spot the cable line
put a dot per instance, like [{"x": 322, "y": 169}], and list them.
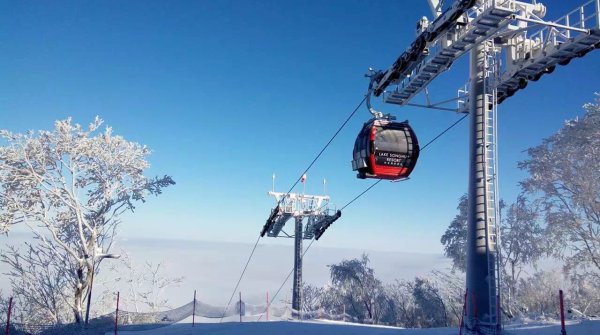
[
  {"x": 240, "y": 279},
  {"x": 326, "y": 145},
  {"x": 445, "y": 131},
  {"x": 361, "y": 194}
]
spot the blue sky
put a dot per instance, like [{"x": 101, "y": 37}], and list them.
[{"x": 226, "y": 93}]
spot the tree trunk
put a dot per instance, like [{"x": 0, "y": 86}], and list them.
[
  {"x": 81, "y": 288},
  {"x": 511, "y": 290},
  {"x": 445, "y": 312},
  {"x": 77, "y": 310},
  {"x": 509, "y": 311},
  {"x": 368, "y": 307}
]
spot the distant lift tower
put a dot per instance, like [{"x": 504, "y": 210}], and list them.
[
  {"x": 510, "y": 45},
  {"x": 315, "y": 209}
]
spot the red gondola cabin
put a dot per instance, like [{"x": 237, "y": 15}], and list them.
[{"x": 385, "y": 149}]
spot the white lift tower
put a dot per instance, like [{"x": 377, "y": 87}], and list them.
[
  {"x": 315, "y": 209},
  {"x": 510, "y": 44}
]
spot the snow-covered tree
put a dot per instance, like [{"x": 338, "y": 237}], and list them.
[
  {"x": 455, "y": 236},
  {"x": 385, "y": 310},
  {"x": 430, "y": 307},
  {"x": 419, "y": 303},
  {"x": 39, "y": 282},
  {"x": 69, "y": 186},
  {"x": 311, "y": 297},
  {"x": 522, "y": 244},
  {"x": 357, "y": 284},
  {"x": 3, "y": 308},
  {"x": 402, "y": 303},
  {"x": 451, "y": 287},
  {"x": 583, "y": 295},
  {"x": 145, "y": 284},
  {"x": 538, "y": 294},
  {"x": 564, "y": 174}
]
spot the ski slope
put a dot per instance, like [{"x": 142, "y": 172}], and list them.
[{"x": 320, "y": 327}]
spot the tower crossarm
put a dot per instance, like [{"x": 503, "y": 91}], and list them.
[
  {"x": 531, "y": 46},
  {"x": 538, "y": 46},
  {"x": 417, "y": 51},
  {"x": 298, "y": 206},
  {"x": 480, "y": 23}
]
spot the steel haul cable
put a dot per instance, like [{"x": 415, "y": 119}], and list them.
[
  {"x": 240, "y": 279},
  {"x": 444, "y": 131},
  {"x": 329, "y": 142}
]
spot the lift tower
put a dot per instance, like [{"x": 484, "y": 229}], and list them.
[
  {"x": 312, "y": 216},
  {"x": 510, "y": 44}
]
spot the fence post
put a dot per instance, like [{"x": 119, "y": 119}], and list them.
[
  {"x": 563, "y": 330},
  {"x": 194, "y": 311},
  {"x": 267, "y": 305},
  {"x": 240, "y": 306},
  {"x": 117, "y": 315},
  {"x": 10, "y": 301}
]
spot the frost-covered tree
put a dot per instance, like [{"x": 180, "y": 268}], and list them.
[
  {"x": 3, "y": 308},
  {"x": 356, "y": 283},
  {"x": 538, "y": 294},
  {"x": 39, "y": 282},
  {"x": 430, "y": 307},
  {"x": 564, "y": 175},
  {"x": 385, "y": 311},
  {"x": 583, "y": 294},
  {"x": 417, "y": 304},
  {"x": 522, "y": 244},
  {"x": 311, "y": 297},
  {"x": 455, "y": 236},
  {"x": 145, "y": 284},
  {"x": 69, "y": 186},
  {"x": 331, "y": 302},
  {"x": 451, "y": 287},
  {"x": 403, "y": 304}
]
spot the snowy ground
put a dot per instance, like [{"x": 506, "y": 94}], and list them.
[{"x": 585, "y": 327}]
